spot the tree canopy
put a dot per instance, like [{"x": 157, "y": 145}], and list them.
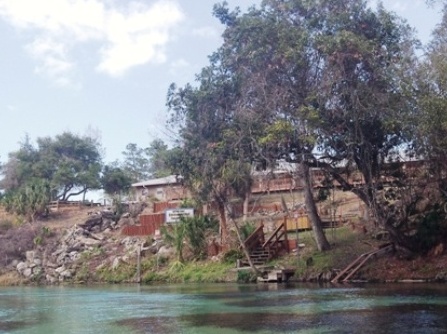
[
  {"x": 327, "y": 84},
  {"x": 70, "y": 163}
]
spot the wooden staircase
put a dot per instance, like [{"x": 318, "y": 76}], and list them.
[
  {"x": 260, "y": 256},
  {"x": 261, "y": 250},
  {"x": 346, "y": 274}
]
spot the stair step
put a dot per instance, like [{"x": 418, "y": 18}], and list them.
[{"x": 260, "y": 253}]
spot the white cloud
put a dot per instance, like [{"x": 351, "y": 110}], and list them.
[
  {"x": 138, "y": 36},
  {"x": 126, "y": 35},
  {"x": 53, "y": 60}
]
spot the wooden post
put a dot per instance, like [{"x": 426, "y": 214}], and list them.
[{"x": 139, "y": 264}]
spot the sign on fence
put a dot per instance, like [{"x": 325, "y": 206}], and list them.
[{"x": 174, "y": 215}]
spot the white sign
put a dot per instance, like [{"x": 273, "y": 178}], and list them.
[{"x": 174, "y": 215}]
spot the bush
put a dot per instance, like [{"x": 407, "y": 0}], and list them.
[
  {"x": 191, "y": 230},
  {"x": 247, "y": 229},
  {"x": 246, "y": 276},
  {"x": 232, "y": 256},
  {"x": 430, "y": 231}
]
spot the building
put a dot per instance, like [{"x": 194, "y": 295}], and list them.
[{"x": 166, "y": 189}]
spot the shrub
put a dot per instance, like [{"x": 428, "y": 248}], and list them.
[
  {"x": 232, "y": 256},
  {"x": 247, "y": 229},
  {"x": 246, "y": 276},
  {"x": 430, "y": 231}
]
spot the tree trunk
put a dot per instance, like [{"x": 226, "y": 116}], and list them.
[
  {"x": 223, "y": 223},
  {"x": 244, "y": 249},
  {"x": 312, "y": 211},
  {"x": 245, "y": 207}
]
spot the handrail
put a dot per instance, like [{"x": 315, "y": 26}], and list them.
[
  {"x": 255, "y": 238},
  {"x": 273, "y": 242},
  {"x": 269, "y": 240},
  {"x": 354, "y": 266}
]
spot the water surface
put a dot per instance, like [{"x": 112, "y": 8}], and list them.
[{"x": 225, "y": 308}]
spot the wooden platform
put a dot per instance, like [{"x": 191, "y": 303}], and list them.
[{"x": 277, "y": 276}]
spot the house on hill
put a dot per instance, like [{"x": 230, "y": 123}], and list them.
[{"x": 166, "y": 189}]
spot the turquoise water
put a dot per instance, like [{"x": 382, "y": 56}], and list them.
[{"x": 225, "y": 308}]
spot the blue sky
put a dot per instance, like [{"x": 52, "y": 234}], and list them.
[{"x": 103, "y": 67}]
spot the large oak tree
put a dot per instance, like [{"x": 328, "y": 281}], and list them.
[{"x": 69, "y": 162}]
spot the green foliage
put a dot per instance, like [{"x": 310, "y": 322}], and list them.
[
  {"x": 70, "y": 163},
  {"x": 192, "y": 272},
  {"x": 136, "y": 162},
  {"x": 246, "y": 276},
  {"x": 124, "y": 273},
  {"x": 189, "y": 231},
  {"x": 210, "y": 223},
  {"x": 294, "y": 79},
  {"x": 279, "y": 131},
  {"x": 37, "y": 240},
  {"x": 83, "y": 274},
  {"x": 431, "y": 230},
  {"x": 115, "y": 180},
  {"x": 174, "y": 234},
  {"x": 150, "y": 162},
  {"x": 175, "y": 267},
  {"x": 247, "y": 229},
  {"x": 232, "y": 256},
  {"x": 159, "y": 155},
  {"x": 29, "y": 201},
  {"x": 188, "y": 203},
  {"x": 44, "y": 233},
  {"x": 195, "y": 235}
]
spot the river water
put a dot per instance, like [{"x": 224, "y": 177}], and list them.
[{"x": 225, "y": 308}]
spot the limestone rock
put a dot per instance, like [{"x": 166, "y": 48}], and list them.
[
  {"x": 30, "y": 256},
  {"x": 115, "y": 263},
  {"x": 21, "y": 266},
  {"x": 65, "y": 274},
  {"x": 166, "y": 252},
  {"x": 27, "y": 272}
]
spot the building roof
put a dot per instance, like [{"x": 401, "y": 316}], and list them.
[{"x": 162, "y": 181}]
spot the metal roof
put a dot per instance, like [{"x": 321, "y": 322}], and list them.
[{"x": 171, "y": 179}]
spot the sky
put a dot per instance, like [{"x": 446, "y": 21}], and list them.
[{"x": 103, "y": 67}]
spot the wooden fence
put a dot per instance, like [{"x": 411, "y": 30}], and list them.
[
  {"x": 148, "y": 225},
  {"x": 56, "y": 205},
  {"x": 283, "y": 184},
  {"x": 162, "y": 206}
]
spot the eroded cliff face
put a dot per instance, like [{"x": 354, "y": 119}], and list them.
[{"x": 72, "y": 249}]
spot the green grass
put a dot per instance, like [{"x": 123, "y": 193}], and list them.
[
  {"x": 192, "y": 272},
  {"x": 125, "y": 273},
  {"x": 346, "y": 245}
]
